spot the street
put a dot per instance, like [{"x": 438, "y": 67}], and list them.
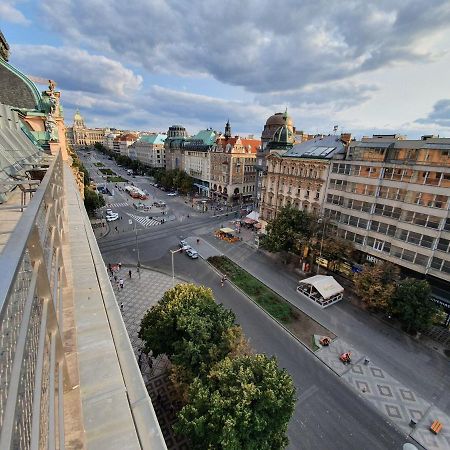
[{"x": 329, "y": 414}]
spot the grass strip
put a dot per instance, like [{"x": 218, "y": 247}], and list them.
[
  {"x": 115, "y": 179},
  {"x": 271, "y": 302},
  {"x": 99, "y": 164},
  {"x": 107, "y": 172}
]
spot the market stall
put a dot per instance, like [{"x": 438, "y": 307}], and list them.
[{"x": 321, "y": 289}]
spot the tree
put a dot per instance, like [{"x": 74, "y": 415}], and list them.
[
  {"x": 376, "y": 284},
  {"x": 189, "y": 327},
  {"x": 334, "y": 249},
  {"x": 244, "y": 403},
  {"x": 289, "y": 226},
  {"x": 412, "y": 304},
  {"x": 92, "y": 201}
]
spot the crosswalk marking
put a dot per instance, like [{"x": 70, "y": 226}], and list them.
[
  {"x": 116, "y": 205},
  {"x": 144, "y": 221}
]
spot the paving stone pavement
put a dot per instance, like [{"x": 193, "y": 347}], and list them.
[
  {"x": 330, "y": 356},
  {"x": 397, "y": 402},
  {"x": 138, "y": 295}
]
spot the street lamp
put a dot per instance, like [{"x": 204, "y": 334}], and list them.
[
  {"x": 137, "y": 245},
  {"x": 173, "y": 269},
  {"x": 321, "y": 243}
]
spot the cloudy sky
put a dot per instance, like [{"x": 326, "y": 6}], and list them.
[{"x": 368, "y": 66}]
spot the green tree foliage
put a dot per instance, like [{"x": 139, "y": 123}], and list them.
[
  {"x": 188, "y": 326},
  {"x": 376, "y": 285},
  {"x": 92, "y": 200},
  {"x": 288, "y": 228},
  {"x": 244, "y": 403},
  {"x": 411, "y": 303},
  {"x": 174, "y": 179},
  {"x": 334, "y": 249}
]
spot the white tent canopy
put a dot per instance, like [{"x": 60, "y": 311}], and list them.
[
  {"x": 322, "y": 289},
  {"x": 254, "y": 215}
]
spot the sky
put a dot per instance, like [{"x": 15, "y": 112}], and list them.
[{"x": 367, "y": 66}]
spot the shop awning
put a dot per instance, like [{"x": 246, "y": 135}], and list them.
[
  {"x": 227, "y": 230},
  {"x": 254, "y": 215},
  {"x": 325, "y": 285}
]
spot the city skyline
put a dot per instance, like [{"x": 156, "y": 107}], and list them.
[{"x": 370, "y": 67}]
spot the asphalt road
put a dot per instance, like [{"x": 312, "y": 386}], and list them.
[{"x": 328, "y": 414}]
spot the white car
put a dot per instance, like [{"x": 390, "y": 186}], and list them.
[
  {"x": 172, "y": 194},
  {"x": 112, "y": 217},
  {"x": 192, "y": 253},
  {"x": 109, "y": 212}
]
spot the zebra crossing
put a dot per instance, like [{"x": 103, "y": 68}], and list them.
[
  {"x": 144, "y": 221},
  {"x": 116, "y": 205}
]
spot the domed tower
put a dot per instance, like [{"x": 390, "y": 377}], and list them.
[
  {"x": 282, "y": 124},
  {"x": 78, "y": 121},
  {"x": 282, "y": 140},
  {"x": 272, "y": 125}
]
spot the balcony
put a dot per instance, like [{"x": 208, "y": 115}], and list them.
[{"x": 67, "y": 370}]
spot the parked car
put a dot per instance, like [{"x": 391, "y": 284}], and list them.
[
  {"x": 109, "y": 212},
  {"x": 183, "y": 243},
  {"x": 192, "y": 253},
  {"x": 172, "y": 194}
]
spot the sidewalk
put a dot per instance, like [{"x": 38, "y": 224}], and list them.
[
  {"x": 404, "y": 380},
  {"x": 139, "y": 293}
]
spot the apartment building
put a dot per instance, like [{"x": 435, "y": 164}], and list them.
[
  {"x": 149, "y": 150},
  {"x": 197, "y": 160},
  {"x": 390, "y": 196},
  {"x": 298, "y": 177},
  {"x": 233, "y": 173}
]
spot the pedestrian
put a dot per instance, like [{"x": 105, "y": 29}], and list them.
[
  {"x": 120, "y": 265},
  {"x": 129, "y": 273},
  {"x": 121, "y": 306},
  {"x": 115, "y": 278},
  {"x": 121, "y": 283}
]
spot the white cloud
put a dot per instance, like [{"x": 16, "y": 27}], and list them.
[
  {"x": 259, "y": 45},
  {"x": 9, "y": 13},
  {"x": 75, "y": 69}
]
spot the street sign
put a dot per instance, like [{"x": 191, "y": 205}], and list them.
[{"x": 130, "y": 221}]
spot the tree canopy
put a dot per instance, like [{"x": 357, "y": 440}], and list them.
[
  {"x": 244, "y": 403},
  {"x": 92, "y": 200},
  {"x": 287, "y": 228},
  {"x": 376, "y": 284},
  {"x": 188, "y": 326},
  {"x": 411, "y": 303}
]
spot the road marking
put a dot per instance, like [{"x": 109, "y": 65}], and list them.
[
  {"x": 116, "y": 205},
  {"x": 308, "y": 393},
  {"x": 144, "y": 221}
]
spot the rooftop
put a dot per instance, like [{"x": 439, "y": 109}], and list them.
[{"x": 320, "y": 147}]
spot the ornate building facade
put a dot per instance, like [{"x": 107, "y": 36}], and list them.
[
  {"x": 298, "y": 176},
  {"x": 272, "y": 125},
  {"x": 233, "y": 171},
  {"x": 78, "y": 135}
]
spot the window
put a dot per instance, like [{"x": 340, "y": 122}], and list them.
[{"x": 443, "y": 245}]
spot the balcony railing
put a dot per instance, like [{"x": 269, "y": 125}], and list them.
[{"x": 33, "y": 373}]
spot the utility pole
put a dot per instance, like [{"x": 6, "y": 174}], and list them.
[
  {"x": 173, "y": 268},
  {"x": 321, "y": 242}
]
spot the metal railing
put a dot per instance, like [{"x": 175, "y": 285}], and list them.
[{"x": 33, "y": 372}]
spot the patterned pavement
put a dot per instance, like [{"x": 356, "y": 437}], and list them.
[
  {"x": 140, "y": 292},
  {"x": 394, "y": 400},
  {"x": 330, "y": 356}
]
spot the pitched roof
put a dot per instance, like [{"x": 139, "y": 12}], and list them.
[{"x": 153, "y": 138}]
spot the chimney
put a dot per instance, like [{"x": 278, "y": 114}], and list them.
[{"x": 346, "y": 138}]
